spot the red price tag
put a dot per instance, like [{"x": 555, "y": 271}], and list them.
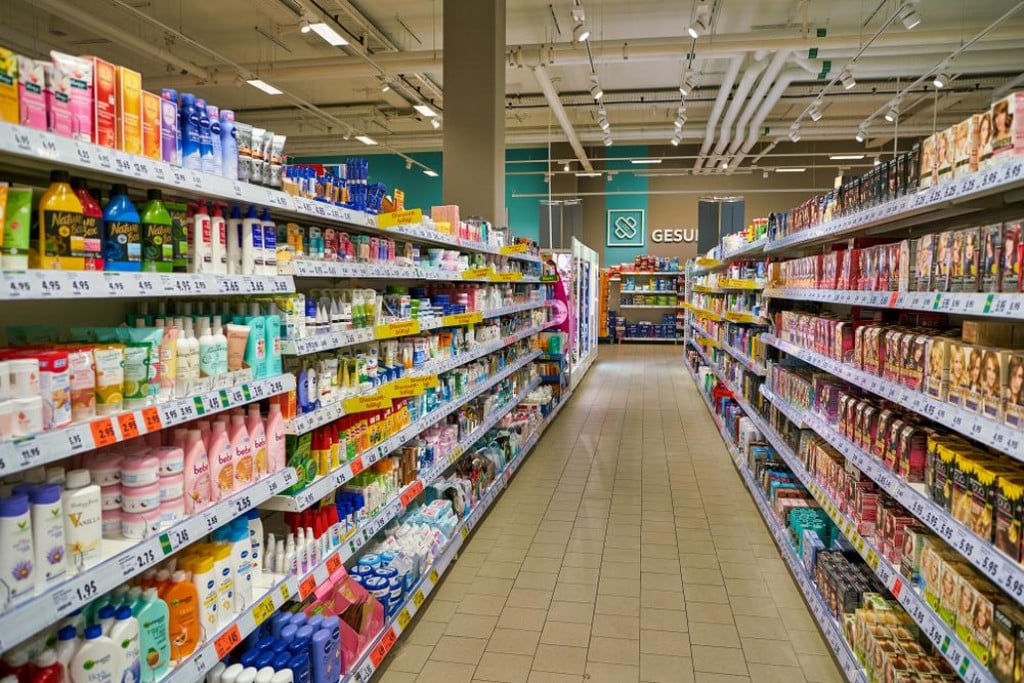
[
  {"x": 383, "y": 647},
  {"x": 307, "y": 586},
  {"x": 333, "y": 563},
  {"x": 893, "y": 298},
  {"x": 103, "y": 433},
  {"x": 413, "y": 491},
  {"x": 227, "y": 641},
  {"x": 357, "y": 466},
  {"x": 129, "y": 428},
  {"x": 897, "y": 587},
  {"x": 151, "y": 418}
]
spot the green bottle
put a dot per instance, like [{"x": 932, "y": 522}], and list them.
[{"x": 157, "y": 242}]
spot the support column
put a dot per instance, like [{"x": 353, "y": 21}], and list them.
[{"x": 474, "y": 107}]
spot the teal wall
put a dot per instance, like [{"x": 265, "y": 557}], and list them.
[
  {"x": 422, "y": 191},
  {"x": 625, "y": 182}
]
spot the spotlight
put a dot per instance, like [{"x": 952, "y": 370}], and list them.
[
  {"x": 304, "y": 26},
  {"x": 847, "y": 79},
  {"x": 876, "y": 162},
  {"x": 680, "y": 120},
  {"x": 675, "y": 140},
  {"x": 385, "y": 86},
  {"x": 725, "y": 165},
  {"x": 607, "y": 142},
  {"x": 565, "y": 168},
  {"x": 408, "y": 165},
  {"x": 861, "y": 135},
  {"x": 693, "y": 32},
  {"x": 815, "y": 113},
  {"x": 595, "y": 89},
  {"x": 698, "y": 27},
  {"x": 794, "y": 133},
  {"x": 941, "y": 80},
  {"x": 603, "y": 123},
  {"x": 580, "y": 33},
  {"x": 436, "y": 123},
  {"x": 892, "y": 114},
  {"x": 689, "y": 83},
  {"x": 909, "y": 16}
]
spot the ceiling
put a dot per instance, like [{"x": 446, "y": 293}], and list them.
[{"x": 758, "y": 68}]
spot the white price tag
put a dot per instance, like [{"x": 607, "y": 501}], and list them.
[
  {"x": 18, "y": 285},
  {"x": 48, "y": 284}
]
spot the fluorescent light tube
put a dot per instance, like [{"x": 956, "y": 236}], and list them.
[
  {"x": 430, "y": 172},
  {"x": 264, "y": 86},
  {"x": 584, "y": 174},
  {"x": 330, "y": 36},
  {"x": 645, "y": 161},
  {"x": 366, "y": 140},
  {"x": 790, "y": 169},
  {"x": 424, "y": 110},
  {"x": 846, "y": 157}
]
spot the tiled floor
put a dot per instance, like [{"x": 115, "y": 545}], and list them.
[{"x": 626, "y": 549}]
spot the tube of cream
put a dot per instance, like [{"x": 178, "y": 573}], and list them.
[
  {"x": 238, "y": 337},
  {"x": 276, "y": 159}
]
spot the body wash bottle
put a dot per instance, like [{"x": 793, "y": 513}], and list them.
[
  {"x": 256, "y": 347},
  {"x": 125, "y": 634},
  {"x": 48, "y": 533},
  {"x": 18, "y": 559},
  {"x": 154, "y": 638},
  {"x": 98, "y": 659},
  {"x": 197, "y": 473},
  {"x": 83, "y": 520}
]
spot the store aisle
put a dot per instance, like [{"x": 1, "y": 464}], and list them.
[{"x": 626, "y": 549}]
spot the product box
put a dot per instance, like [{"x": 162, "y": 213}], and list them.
[
  {"x": 963, "y": 134},
  {"x": 990, "y": 260},
  {"x": 1009, "y": 515},
  {"x": 944, "y": 155},
  {"x": 942, "y": 262},
  {"x": 58, "y": 101},
  {"x": 169, "y": 130},
  {"x": 983, "y": 133},
  {"x": 956, "y": 261},
  {"x": 151, "y": 125},
  {"x": 970, "y": 270},
  {"x": 32, "y": 93},
  {"x": 988, "y": 332},
  {"x": 1007, "y": 621},
  {"x": 104, "y": 92},
  {"x": 913, "y": 168},
  {"x": 910, "y": 559},
  {"x": 1013, "y": 388},
  {"x": 924, "y": 255},
  {"x": 927, "y": 177},
  {"x": 1011, "y": 256},
  {"x": 129, "y": 110},
  {"x": 1007, "y": 127},
  {"x": 971, "y": 387},
  {"x": 75, "y": 75},
  {"x": 8, "y": 86},
  {"x": 959, "y": 381}
]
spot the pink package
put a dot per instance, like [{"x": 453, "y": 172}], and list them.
[
  {"x": 31, "y": 86},
  {"x": 340, "y": 593},
  {"x": 76, "y": 74},
  {"x": 58, "y": 101}
]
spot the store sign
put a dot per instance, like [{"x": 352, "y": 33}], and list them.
[
  {"x": 626, "y": 228},
  {"x": 666, "y": 235}
]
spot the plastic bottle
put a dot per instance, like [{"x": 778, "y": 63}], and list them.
[
  {"x": 217, "y": 159},
  {"x": 105, "y": 618},
  {"x": 242, "y": 562},
  {"x": 273, "y": 332},
  {"x": 183, "y": 350},
  {"x": 125, "y": 634},
  {"x": 64, "y": 648},
  {"x": 193, "y": 350},
  {"x": 283, "y": 676},
  {"x": 225, "y": 572},
  {"x": 220, "y": 344},
  {"x": 205, "y": 141},
  {"x": 183, "y": 616},
  {"x": 122, "y": 240},
  {"x": 248, "y": 675},
  {"x": 198, "y": 487},
  {"x": 215, "y": 674},
  {"x": 92, "y": 225},
  {"x": 269, "y": 243},
  {"x": 154, "y": 635},
  {"x": 222, "y": 473},
  {"x": 254, "y": 525},
  {"x": 202, "y": 240},
  {"x": 83, "y": 519},
  {"x": 190, "y": 151},
  {"x": 60, "y": 227},
  {"x": 209, "y": 364},
  {"x": 98, "y": 660},
  {"x": 218, "y": 241},
  {"x": 241, "y": 446},
  {"x": 48, "y": 668},
  {"x": 265, "y": 675},
  {"x": 205, "y": 581},
  {"x": 48, "y": 534},
  {"x": 258, "y": 436},
  {"x": 231, "y": 673},
  {"x": 256, "y": 345},
  {"x": 157, "y": 240},
  {"x": 228, "y": 145},
  {"x": 275, "y": 439},
  {"x": 234, "y": 241},
  {"x": 18, "y": 560},
  {"x": 252, "y": 243}
]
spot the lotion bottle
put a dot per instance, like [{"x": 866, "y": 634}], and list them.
[
  {"x": 18, "y": 560},
  {"x": 208, "y": 354},
  {"x": 252, "y": 243},
  {"x": 197, "y": 473},
  {"x": 97, "y": 660},
  {"x": 125, "y": 634},
  {"x": 258, "y": 436},
  {"x": 48, "y": 533},
  {"x": 222, "y": 473},
  {"x": 154, "y": 638},
  {"x": 241, "y": 446},
  {"x": 234, "y": 242},
  {"x": 275, "y": 439},
  {"x": 202, "y": 240},
  {"x": 269, "y": 243},
  {"x": 83, "y": 521}
]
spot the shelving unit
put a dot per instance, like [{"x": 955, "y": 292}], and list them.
[{"x": 640, "y": 291}]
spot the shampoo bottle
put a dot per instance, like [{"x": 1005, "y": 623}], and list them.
[
  {"x": 18, "y": 560},
  {"x": 205, "y": 142},
  {"x": 216, "y": 160},
  {"x": 98, "y": 660},
  {"x": 208, "y": 353},
  {"x": 60, "y": 227},
  {"x": 92, "y": 225},
  {"x": 48, "y": 669},
  {"x": 256, "y": 346},
  {"x": 122, "y": 240},
  {"x": 154, "y": 639},
  {"x": 83, "y": 521},
  {"x": 157, "y": 241},
  {"x": 125, "y": 634},
  {"x": 221, "y": 458},
  {"x": 202, "y": 240},
  {"x": 219, "y": 240},
  {"x": 189, "y": 130},
  {"x": 241, "y": 446},
  {"x": 273, "y": 331},
  {"x": 67, "y": 643},
  {"x": 183, "y": 616},
  {"x": 220, "y": 344},
  {"x": 48, "y": 533}
]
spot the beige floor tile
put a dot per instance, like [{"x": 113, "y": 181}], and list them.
[
  {"x": 705, "y": 677},
  {"x": 755, "y": 607},
  {"x": 488, "y": 605},
  {"x": 523, "y": 618},
  {"x": 741, "y": 570},
  {"x": 604, "y": 672},
  {"x": 699, "y": 592},
  {"x": 718, "y": 660},
  {"x": 659, "y": 551},
  {"x": 665, "y": 669},
  {"x": 621, "y": 570},
  {"x": 501, "y": 570},
  {"x": 718, "y": 635},
  {"x": 758, "y": 627},
  {"x": 513, "y": 641},
  {"x": 547, "y": 565},
  {"x": 614, "y": 650},
  {"x": 797, "y": 619},
  {"x": 551, "y": 550},
  {"x": 529, "y": 597},
  {"x": 565, "y": 633},
  {"x": 661, "y": 582},
  {"x": 620, "y": 554},
  {"x": 489, "y": 585},
  {"x": 441, "y": 610},
  {"x": 661, "y": 599},
  {"x": 617, "y": 605},
  {"x": 587, "y": 575},
  {"x": 426, "y": 633},
  {"x": 657, "y": 619},
  {"x": 536, "y": 581},
  {"x": 659, "y": 566},
  {"x": 807, "y": 642},
  {"x": 771, "y": 673},
  {"x": 590, "y": 560},
  {"x": 495, "y": 666},
  {"x": 698, "y": 561},
  {"x": 763, "y": 651},
  {"x": 575, "y": 592},
  {"x": 747, "y": 588},
  {"x": 819, "y": 669},
  {"x": 446, "y": 672},
  {"x": 471, "y": 626},
  {"x": 460, "y": 650},
  {"x": 572, "y": 612},
  {"x": 695, "y": 575},
  {"x": 560, "y": 659},
  {"x": 616, "y": 626},
  {"x": 409, "y": 658},
  {"x": 549, "y": 677},
  {"x": 391, "y": 676},
  {"x": 623, "y": 587}
]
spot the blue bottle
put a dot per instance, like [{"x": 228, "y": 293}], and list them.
[
  {"x": 216, "y": 156},
  {"x": 228, "y": 145},
  {"x": 277, "y": 624},
  {"x": 122, "y": 243},
  {"x": 190, "y": 154},
  {"x": 205, "y": 143},
  {"x": 299, "y": 665}
]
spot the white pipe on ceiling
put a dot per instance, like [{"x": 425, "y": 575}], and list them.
[
  {"x": 755, "y": 99},
  {"x": 716, "y": 111},
  {"x": 738, "y": 99},
  {"x": 769, "y": 103},
  {"x": 561, "y": 116}
]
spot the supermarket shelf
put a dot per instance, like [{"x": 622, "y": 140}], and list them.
[
  {"x": 649, "y": 339},
  {"x": 48, "y": 447},
  {"x": 331, "y": 481},
  {"x": 994, "y": 565},
  {"x": 701, "y": 289},
  {"x": 754, "y": 248},
  {"x": 1002, "y": 438},
  {"x": 367, "y": 271},
  {"x": 83, "y": 284},
  {"x": 339, "y": 340},
  {"x": 701, "y": 312},
  {"x": 649, "y": 291},
  {"x": 744, "y": 318},
  {"x": 329, "y": 413},
  {"x": 744, "y": 360},
  {"x": 793, "y": 413},
  {"x": 1002, "y": 305},
  {"x": 743, "y": 284},
  {"x": 925, "y": 206},
  {"x": 40, "y": 151},
  {"x": 125, "y": 559},
  {"x": 640, "y": 272},
  {"x": 638, "y": 306},
  {"x": 937, "y": 631}
]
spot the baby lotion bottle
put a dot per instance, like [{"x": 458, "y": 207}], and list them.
[
  {"x": 224, "y": 571},
  {"x": 197, "y": 473},
  {"x": 183, "y": 616},
  {"x": 98, "y": 660},
  {"x": 205, "y": 581},
  {"x": 258, "y": 437},
  {"x": 125, "y": 634},
  {"x": 241, "y": 446},
  {"x": 18, "y": 560},
  {"x": 48, "y": 533},
  {"x": 242, "y": 563},
  {"x": 154, "y": 639},
  {"x": 83, "y": 519},
  {"x": 209, "y": 357},
  {"x": 222, "y": 473},
  {"x": 275, "y": 439}
]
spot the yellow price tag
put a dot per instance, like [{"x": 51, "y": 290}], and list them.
[
  {"x": 403, "y": 619},
  {"x": 506, "y": 277},
  {"x": 417, "y": 599},
  {"x": 514, "y": 249},
  {"x": 434, "y": 576},
  {"x": 476, "y": 273},
  {"x": 464, "y": 532},
  {"x": 399, "y": 329},
  {"x": 286, "y": 594},
  {"x": 396, "y": 218},
  {"x": 262, "y": 610},
  {"x": 360, "y": 404},
  {"x": 462, "y": 319}
]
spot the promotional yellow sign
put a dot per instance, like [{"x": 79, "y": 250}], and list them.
[
  {"x": 360, "y": 404},
  {"x": 399, "y": 329},
  {"x": 476, "y": 273},
  {"x": 462, "y": 319},
  {"x": 514, "y": 249},
  {"x": 506, "y": 277},
  {"x": 396, "y": 218}
]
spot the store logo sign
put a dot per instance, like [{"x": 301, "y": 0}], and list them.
[
  {"x": 626, "y": 228},
  {"x": 661, "y": 235}
]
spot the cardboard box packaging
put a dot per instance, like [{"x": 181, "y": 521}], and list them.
[
  {"x": 8, "y": 86},
  {"x": 129, "y": 110},
  {"x": 151, "y": 125},
  {"x": 104, "y": 89},
  {"x": 1007, "y": 127}
]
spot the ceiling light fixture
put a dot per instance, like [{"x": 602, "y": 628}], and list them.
[
  {"x": 909, "y": 16},
  {"x": 846, "y": 157},
  {"x": 847, "y": 79},
  {"x": 603, "y": 123},
  {"x": 676, "y": 140},
  {"x": 565, "y": 167},
  {"x": 794, "y": 133},
  {"x": 791, "y": 169},
  {"x": 264, "y": 86},
  {"x": 385, "y": 86},
  {"x": 408, "y": 164},
  {"x": 424, "y": 110},
  {"x": 698, "y": 28},
  {"x": 679, "y": 122},
  {"x": 607, "y": 142},
  {"x": 877, "y": 161},
  {"x": 689, "y": 83},
  {"x": 580, "y": 32},
  {"x": 330, "y": 36},
  {"x": 304, "y": 26},
  {"x": 436, "y": 123},
  {"x": 595, "y": 88},
  {"x": 430, "y": 172},
  {"x": 861, "y": 135},
  {"x": 892, "y": 114},
  {"x": 645, "y": 161},
  {"x": 692, "y": 31},
  {"x": 366, "y": 140},
  {"x": 815, "y": 114},
  {"x": 941, "y": 80},
  {"x": 585, "y": 174},
  {"x": 725, "y": 165}
]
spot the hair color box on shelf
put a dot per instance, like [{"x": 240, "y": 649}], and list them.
[{"x": 1008, "y": 126}]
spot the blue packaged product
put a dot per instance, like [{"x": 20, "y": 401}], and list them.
[
  {"x": 299, "y": 619},
  {"x": 288, "y": 634},
  {"x": 171, "y": 95},
  {"x": 322, "y": 657},
  {"x": 228, "y": 144},
  {"x": 205, "y": 144},
  {"x": 122, "y": 241},
  {"x": 264, "y": 658},
  {"x": 248, "y": 657},
  {"x": 316, "y": 622},
  {"x": 280, "y": 620},
  {"x": 281, "y": 659},
  {"x": 216, "y": 155},
  {"x": 190, "y": 152},
  {"x": 299, "y": 665},
  {"x": 378, "y": 587}
]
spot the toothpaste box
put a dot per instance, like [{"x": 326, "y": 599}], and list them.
[
  {"x": 104, "y": 90},
  {"x": 129, "y": 110},
  {"x": 1008, "y": 127},
  {"x": 8, "y": 86},
  {"x": 151, "y": 103},
  {"x": 32, "y": 93}
]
